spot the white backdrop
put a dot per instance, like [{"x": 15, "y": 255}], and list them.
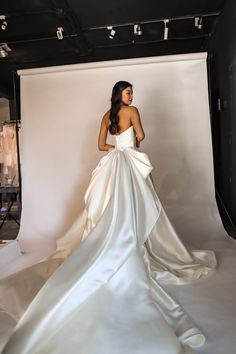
[{"x": 61, "y": 112}]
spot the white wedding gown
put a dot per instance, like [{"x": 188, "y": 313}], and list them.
[{"x": 106, "y": 296}]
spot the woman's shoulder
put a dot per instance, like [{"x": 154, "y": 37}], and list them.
[
  {"x": 107, "y": 114},
  {"x": 133, "y": 111},
  {"x": 130, "y": 109},
  {"x": 133, "y": 108}
]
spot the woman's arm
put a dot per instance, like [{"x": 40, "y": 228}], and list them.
[
  {"x": 136, "y": 121},
  {"x": 102, "y": 138}
]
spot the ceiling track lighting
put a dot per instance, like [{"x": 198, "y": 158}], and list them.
[
  {"x": 166, "y": 29},
  {"x": 4, "y": 49},
  {"x": 137, "y": 30},
  {"x": 60, "y": 31},
  {"x": 112, "y": 32},
  {"x": 3, "y": 22},
  {"x": 198, "y": 22},
  {"x": 137, "y": 27}
]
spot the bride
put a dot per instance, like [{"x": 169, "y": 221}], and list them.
[{"x": 106, "y": 296}]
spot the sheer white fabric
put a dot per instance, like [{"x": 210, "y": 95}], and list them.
[
  {"x": 8, "y": 155},
  {"x": 107, "y": 297}
]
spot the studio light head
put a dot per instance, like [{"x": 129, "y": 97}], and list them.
[
  {"x": 137, "y": 30},
  {"x": 112, "y": 32}
]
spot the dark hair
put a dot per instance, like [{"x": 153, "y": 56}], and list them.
[{"x": 116, "y": 104}]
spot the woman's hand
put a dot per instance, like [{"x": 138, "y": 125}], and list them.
[{"x": 137, "y": 142}]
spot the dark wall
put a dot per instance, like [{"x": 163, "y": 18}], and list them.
[{"x": 222, "y": 86}]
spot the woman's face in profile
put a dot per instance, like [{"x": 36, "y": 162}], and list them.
[{"x": 127, "y": 96}]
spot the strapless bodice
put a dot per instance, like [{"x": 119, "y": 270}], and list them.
[{"x": 125, "y": 139}]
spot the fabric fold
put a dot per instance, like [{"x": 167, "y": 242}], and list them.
[{"x": 106, "y": 292}]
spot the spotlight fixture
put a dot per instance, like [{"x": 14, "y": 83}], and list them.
[
  {"x": 112, "y": 32},
  {"x": 4, "y": 49},
  {"x": 3, "y": 22},
  {"x": 3, "y": 53},
  {"x": 4, "y": 25},
  {"x": 137, "y": 30},
  {"x": 60, "y": 33},
  {"x": 198, "y": 22},
  {"x": 166, "y": 29}
]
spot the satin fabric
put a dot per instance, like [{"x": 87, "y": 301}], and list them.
[{"x": 107, "y": 297}]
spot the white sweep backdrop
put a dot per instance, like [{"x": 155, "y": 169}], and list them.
[{"x": 61, "y": 112}]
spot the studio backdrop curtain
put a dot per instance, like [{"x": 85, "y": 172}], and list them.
[{"x": 62, "y": 108}]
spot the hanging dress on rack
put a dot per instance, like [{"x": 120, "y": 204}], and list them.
[{"x": 8, "y": 154}]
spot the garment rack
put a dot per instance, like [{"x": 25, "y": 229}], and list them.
[{"x": 12, "y": 189}]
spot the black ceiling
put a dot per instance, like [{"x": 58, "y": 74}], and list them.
[{"x": 31, "y": 31}]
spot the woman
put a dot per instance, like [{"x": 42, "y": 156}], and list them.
[
  {"x": 106, "y": 297},
  {"x": 121, "y": 116}
]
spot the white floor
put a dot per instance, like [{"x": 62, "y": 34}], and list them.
[
  {"x": 210, "y": 302},
  {"x": 12, "y": 261}
]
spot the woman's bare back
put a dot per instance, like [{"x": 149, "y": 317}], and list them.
[
  {"x": 128, "y": 116},
  {"x": 125, "y": 118}
]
